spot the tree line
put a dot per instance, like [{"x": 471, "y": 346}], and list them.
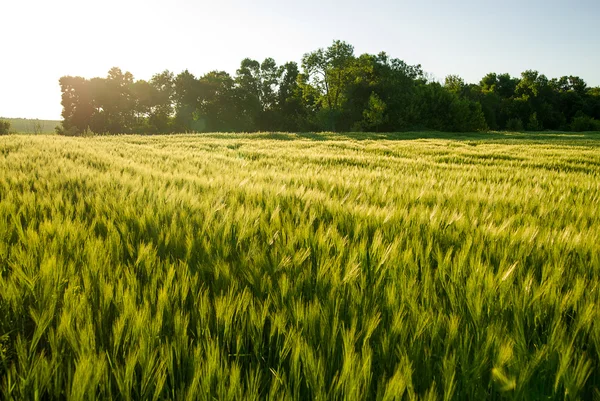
[{"x": 333, "y": 89}]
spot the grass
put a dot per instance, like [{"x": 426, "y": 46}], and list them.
[{"x": 309, "y": 266}]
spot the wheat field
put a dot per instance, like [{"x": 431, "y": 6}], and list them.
[{"x": 300, "y": 267}]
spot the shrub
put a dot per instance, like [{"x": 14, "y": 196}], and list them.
[
  {"x": 585, "y": 123},
  {"x": 514, "y": 124},
  {"x": 4, "y": 127},
  {"x": 534, "y": 123},
  {"x": 61, "y": 130},
  {"x": 37, "y": 127},
  {"x": 88, "y": 132}
]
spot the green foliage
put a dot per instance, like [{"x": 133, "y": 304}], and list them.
[
  {"x": 363, "y": 268},
  {"x": 454, "y": 84},
  {"x": 533, "y": 124},
  {"x": 71, "y": 131},
  {"x": 374, "y": 115},
  {"x": 4, "y": 127},
  {"x": 442, "y": 110},
  {"x": 330, "y": 72},
  {"x": 585, "y": 123},
  {"x": 336, "y": 90},
  {"x": 468, "y": 116},
  {"x": 514, "y": 124}
]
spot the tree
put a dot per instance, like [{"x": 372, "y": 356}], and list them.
[
  {"x": 333, "y": 90},
  {"x": 119, "y": 103},
  {"x": 502, "y": 84},
  {"x": 220, "y": 102},
  {"x": 270, "y": 75},
  {"x": 533, "y": 124},
  {"x": 99, "y": 98},
  {"x": 144, "y": 95},
  {"x": 440, "y": 109},
  {"x": 187, "y": 102},
  {"x": 4, "y": 127},
  {"x": 569, "y": 83},
  {"x": 257, "y": 84},
  {"x": 454, "y": 84},
  {"x": 109, "y": 105},
  {"x": 374, "y": 115},
  {"x": 496, "y": 99},
  {"x": 396, "y": 83},
  {"x": 531, "y": 85},
  {"x": 162, "y": 110},
  {"x": 292, "y": 113},
  {"x": 77, "y": 102},
  {"x": 328, "y": 71}
]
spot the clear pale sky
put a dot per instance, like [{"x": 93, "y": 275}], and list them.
[{"x": 42, "y": 40}]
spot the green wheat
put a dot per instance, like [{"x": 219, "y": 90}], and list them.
[{"x": 294, "y": 267}]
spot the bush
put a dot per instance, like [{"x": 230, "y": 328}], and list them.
[
  {"x": 37, "y": 127},
  {"x": 534, "y": 124},
  {"x": 88, "y": 132},
  {"x": 4, "y": 127},
  {"x": 72, "y": 131},
  {"x": 585, "y": 123},
  {"x": 514, "y": 124}
]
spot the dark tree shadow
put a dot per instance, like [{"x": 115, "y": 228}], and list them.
[{"x": 569, "y": 138}]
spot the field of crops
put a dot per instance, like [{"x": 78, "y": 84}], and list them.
[{"x": 276, "y": 266}]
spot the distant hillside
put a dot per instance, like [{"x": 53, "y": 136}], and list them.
[{"x": 28, "y": 126}]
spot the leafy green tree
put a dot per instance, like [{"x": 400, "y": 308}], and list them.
[
  {"x": 443, "y": 110},
  {"x": 362, "y": 85},
  {"x": 502, "y": 84},
  {"x": 270, "y": 76},
  {"x": 292, "y": 113},
  {"x": 397, "y": 84},
  {"x": 257, "y": 85},
  {"x": 248, "y": 80},
  {"x": 531, "y": 85},
  {"x": 161, "y": 113},
  {"x": 219, "y": 109},
  {"x": 336, "y": 90},
  {"x": 187, "y": 96},
  {"x": 393, "y": 81},
  {"x": 455, "y": 84},
  {"x": 328, "y": 71},
  {"x": 569, "y": 83},
  {"x": 497, "y": 94},
  {"x": 593, "y": 102},
  {"x": 570, "y": 97},
  {"x": 374, "y": 115}
]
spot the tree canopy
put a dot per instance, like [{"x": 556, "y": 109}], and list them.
[{"x": 333, "y": 89}]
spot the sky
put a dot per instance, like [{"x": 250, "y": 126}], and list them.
[{"x": 42, "y": 40}]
